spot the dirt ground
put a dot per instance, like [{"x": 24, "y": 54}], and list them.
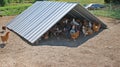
[{"x": 103, "y": 50}]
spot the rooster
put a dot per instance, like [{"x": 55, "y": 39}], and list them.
[
  {"x": 96, "y": 27},
  {"x": 5, "y": 37}
]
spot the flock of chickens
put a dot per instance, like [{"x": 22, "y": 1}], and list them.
[
  {"x": 66, "y": 27},
  {"x": 72, "y": 28},
  {"x": 4, "y": 38}
]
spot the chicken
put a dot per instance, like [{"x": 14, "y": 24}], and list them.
[
  {"x": 85, "y": 23},
  {"x": 46, "y": 35},
  {"x": 74, "y": 22},
  {"x": 89, "y": 31},
  {"x": 74, "y": 32},
  {"x": 86, "y": 30},
  {"x": 96, "y": 27},
  {"x": 75, "y": 35},
  {"x": 4, "y": 28},
  {"x": 90, "y": 24},
  {"x": 5, "y": 37}
]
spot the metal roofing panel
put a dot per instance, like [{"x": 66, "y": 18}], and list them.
[
  {"x": 26, "y": 18},
  {"x": 22, "y": 16},
  {"x": 36, "y": 19},
  {"x": 39, "y": 18}
]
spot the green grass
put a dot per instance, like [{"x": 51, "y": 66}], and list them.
[
  {"x": 13, "y": 10},
  {"x": 113, "y": 11},
  {"x": 107, "y": 13},
  {"x": 82, "y": 1}
]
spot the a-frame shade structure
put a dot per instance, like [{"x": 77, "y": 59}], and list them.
[{"x": 32, "y": 23}]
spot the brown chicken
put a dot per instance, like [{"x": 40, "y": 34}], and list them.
[
  {"x": 75, "y": 35},
  {"x": 96, "y": 27},
  {"x": 4, "y": 28},
  {"x": 5, "y": 37}
]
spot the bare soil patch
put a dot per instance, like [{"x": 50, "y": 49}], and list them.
[{"x": 103, "y": 50}]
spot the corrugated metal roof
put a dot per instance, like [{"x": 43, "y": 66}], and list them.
[
  {"x": 39, "y": 18},
  {"x": 42, "y": 15}
]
